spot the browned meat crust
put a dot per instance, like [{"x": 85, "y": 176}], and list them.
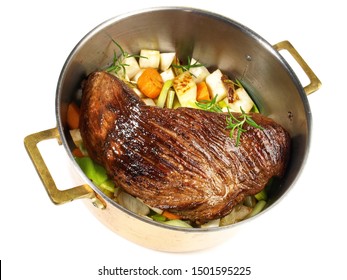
[{"x": 182, "y": 160}]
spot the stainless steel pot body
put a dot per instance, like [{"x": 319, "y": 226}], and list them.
[{"x": 216, "y": 41}]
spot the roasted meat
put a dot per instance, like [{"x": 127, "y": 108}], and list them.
[{"x": 182, "y": 160}]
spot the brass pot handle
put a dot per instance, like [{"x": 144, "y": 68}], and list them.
[
  {"x": 57, "y": 196},
  {"x": 315, "y": 83}
]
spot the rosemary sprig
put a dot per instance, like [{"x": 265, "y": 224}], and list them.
[
  {"x": 211, "y": 106},
  {"x": 118, "y": 60},
  {"x": 187, "y": 66},
  {"x": 234, "y": 123}
]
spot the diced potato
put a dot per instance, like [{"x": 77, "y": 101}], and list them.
[
  {"x": 132, "y": 67},
  {"x": 242, "y": 99},
  {"x": 216, "y": 85},
  {"x": 199, "y": 73},
  {"x": 149, "y": 59},
  {"x": 185, "y": 89},
  {"x": 168, "y": 74},
  {"x": 166, "y": 60}
]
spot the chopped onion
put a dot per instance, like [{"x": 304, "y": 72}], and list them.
[{"x": 133, "y": 204}]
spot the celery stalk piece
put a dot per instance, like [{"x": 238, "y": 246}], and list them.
[
  {"x": 93, "y": 171},
  {"x": 257, "y": 208},
  {"x": 87, "y": 166},
  {"x": 262, "y": 195},
  {"x": 170, "y": 98},
  {"x": 163, "y": 94},
  {"x": 100, "y": 175},
  {"x": 108, "y": 185},
  {"x": 159, "y": 218},
  {"x": 177, "y": 223}
]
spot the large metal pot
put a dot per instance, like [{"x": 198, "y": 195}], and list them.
[{"x": 218, "y": 42}]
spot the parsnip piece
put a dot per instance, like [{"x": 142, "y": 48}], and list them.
[
  {"x": 137, "y": 75},
  {"x": 238, "y": 213},
  {"x": 199, "y": 73},
  {"x": 76, "y": 136},
  {"x": 149, "y": 59},
  {"x": 242, "y": 99},
  {"x": 210, "y": 224},
  {"x": 131, "y": 66},
  {"x": 216, "y": 86},
  {"x": 138, "y": 92},
  {"x": 166, "y": 60},
  {"x": 185, "y": 89},
  {"x": 168, "y": 74},
  {"x": 132, "y": 204},
  {"x": 149, "y": 101}
]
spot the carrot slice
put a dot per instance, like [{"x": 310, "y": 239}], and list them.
[
  {"x": 73, "y": 115},
  {"x": 202, "y": 92},
  {"x": 170, "y": 216},
  {"x": 150, "y": 83},
  {"x": 77, "y": 152}
]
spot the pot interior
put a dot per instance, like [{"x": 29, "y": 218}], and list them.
[{"x": 214, "y": 40}]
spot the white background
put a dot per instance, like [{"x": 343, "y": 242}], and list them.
[{"x": 303, "y": 237}]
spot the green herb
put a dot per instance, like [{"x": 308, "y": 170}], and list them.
[
  {"x": 118, "y": 60},
  {"x": 211, "y": 106},
  {"x": 233, "y": 123},
  {"x": 188, "y": 65},
  {"x": 236, "y": 123}
]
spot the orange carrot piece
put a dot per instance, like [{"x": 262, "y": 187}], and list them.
[
  {"x": 202, "y": 92},
  {"x": 150, "y": 83},
  {"x": 77, "y": 152},
  {"x": 73, "y": 115},
  {"x": 170, "y": 216}
]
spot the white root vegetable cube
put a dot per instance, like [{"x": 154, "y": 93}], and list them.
[
  {"x": 185, "y": 89},
  {"x": 137, "y": 75},
  {"x": 131, "y": 67},
  {"x": 168, "y": 74},
  {"x": 149, "y": 59},
  {"x": 138, "y": 92},
  {"x": 216, "y": 86},
  {"x": 242, "y": 99},
  {"x": 149, "y": 101},
  {"x": 166, "y": 60},
  {"x": 199, "y": 73}
]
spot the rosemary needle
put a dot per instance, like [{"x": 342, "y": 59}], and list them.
[
  {"x": 211, "y": 106},
  {"x": 118, "y": 63},
  {"x": 234, "y": 123},
  {"x": 188, "y": 65}
]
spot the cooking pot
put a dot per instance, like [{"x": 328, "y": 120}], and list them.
[{"x": 218, "y": 42}]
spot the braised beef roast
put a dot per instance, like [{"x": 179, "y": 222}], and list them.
[{"x": 182, "y": 160}]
